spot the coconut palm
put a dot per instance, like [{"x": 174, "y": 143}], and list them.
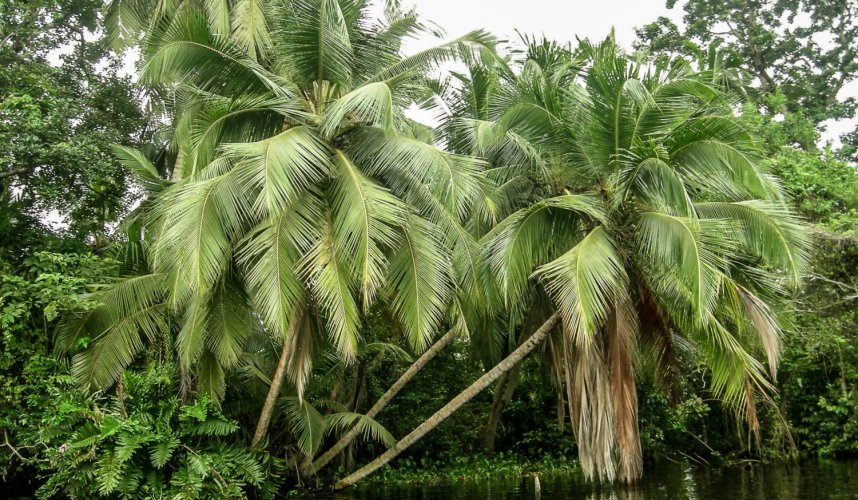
[
  {"x": 300, "y": 195},
  {"x": 650, "y": 220}
]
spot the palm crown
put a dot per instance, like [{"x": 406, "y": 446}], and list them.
[
  {"x": 648, "y": 219},
  {"x": 301, "y": 195}
]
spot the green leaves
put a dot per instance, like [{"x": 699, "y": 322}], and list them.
[
  {"x": 279, "y": 169},
  {"x": 684, "y": 255},
  {"x": 584, "y": 284},
  {"x": 127, "y": 312},
  {"x": 767, "y": 230},
  {"x": 371, "y": 104},
  {"x": 419, "y": 281},
  {"x": 364, "y": 217},
  {"x": 316, "y": 42}
]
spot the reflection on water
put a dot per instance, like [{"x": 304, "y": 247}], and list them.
[{"x": 809, "y": 480}]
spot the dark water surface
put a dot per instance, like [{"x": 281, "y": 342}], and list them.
[{"x": 808, "y": 480}]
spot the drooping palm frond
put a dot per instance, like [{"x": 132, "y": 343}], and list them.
[
  {"x": 366, "y": 427},
  {"x": 250, "y": 29},
  {"x": 419, "y": 281},
  {"x": 584, "y": 282},
  {"x": 128, "y": 312},
  {"x": 365, "y": 217}
]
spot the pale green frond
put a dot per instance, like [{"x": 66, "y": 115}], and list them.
[
  {"x": 734, "y": 371},
  {"x": 370, "y": 104},
  {"x": 518, "y": 244},
  {"x": 191, "y": 339},
  {"x": 279, "y": 169},
  {"x": 218, "y": 15},
  {"x": 185, "y": 51},
  {"x": 195, "y": 243},
  {"x": 364, "y": 216},
  {"x": 716, "y": 165},
  {"x": 126, "y": 20},
  {"x": 315, "y": 42},
  {"x": 144, "y": 172},
  {"x": 244, "y": 119},
  {"x": 584, "y": 283},
  {"x": 690, "y": 251},
  {"x": 476, "y": 44},
  {"x": 269, "y": 257},
  {"x": 769, "y": 231},
  {"x": 250, "y": 29},
  {"x": 128, "y": 312},
  {"x": 402, "y": 161},
  {"x": 230, "y": 323},
  {"x": 211, "y": 379},
  {"x": 332, "y": 283},
  {"x": 419, "y": 281},
  {"x": 659, "y": 186}
]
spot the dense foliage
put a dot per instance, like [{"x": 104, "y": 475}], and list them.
[{"x": 251, "y": 272}]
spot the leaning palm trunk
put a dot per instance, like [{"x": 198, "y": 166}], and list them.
[
  {"x": 286, "y": 355},
  {"x": 348, "y": 437},
  {"x": 504, "y": 366}
]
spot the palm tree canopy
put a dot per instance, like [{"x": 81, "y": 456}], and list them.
[
  {"x": 645, "y": 199},
  {"x": 299, "y": 185}
]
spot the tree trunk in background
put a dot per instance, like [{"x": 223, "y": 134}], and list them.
[
  {"x": 348, "y": 437},
  {"x": 503, "y": 395},
  {"x": 504, "y": 366},
  {"x": 277, "y": 380}
]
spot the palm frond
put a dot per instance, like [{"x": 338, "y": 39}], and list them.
[
  {"x": 584, "y": 283},
  {"x": 419, "y": 281}
]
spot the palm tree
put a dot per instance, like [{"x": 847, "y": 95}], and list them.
[
  {"x": 300, "y": 196},
  {"x": 650, "y": 219}
]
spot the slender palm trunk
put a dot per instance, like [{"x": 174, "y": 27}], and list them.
[
  {"x": 271, "y": 399},
  {"x": 277, "y": 380},
  {"x": 504, "y": 366},
  {"x": 348, "y": 437}
]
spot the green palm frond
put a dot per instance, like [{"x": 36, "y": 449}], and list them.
[
  {"x": 128, "y": 312},
  {"x": 419, "y": 281},
  {"x": 328, "y": 270},
  {"x": 314, "y": 38},
  {"x": 178, "y": 49},
  {"x": 141, "y": 168},
  {"x": 368, "y": 104},
  {"x": 368, "y": 428},
  {"x": 584, "y": 284},
  {"x": 769, "y": 231},
  {"x": 691, "y": 251},
  {"x": 250, "y": 29},
  {"x": 269, "y": 257},
  {"x": 365, "y": 216},
  {"x": 517, "y": 245},
  {"x": 306, "y": 423},
  {"x": 280, "y": 168}
]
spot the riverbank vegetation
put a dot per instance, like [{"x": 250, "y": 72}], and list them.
[{"x": 252, "y": 271}]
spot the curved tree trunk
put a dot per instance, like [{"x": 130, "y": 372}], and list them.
[
  {"x": 310, "y": 469},
  {"x": 504, "y": 366},
  {"x": 277, "y": 380},
  {"x": 503, "y": 395}
]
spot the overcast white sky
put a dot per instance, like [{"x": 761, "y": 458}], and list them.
[{"x": 561, "y": 20}]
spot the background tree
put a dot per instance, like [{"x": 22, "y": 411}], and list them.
[{"x": 802, "y": 50}]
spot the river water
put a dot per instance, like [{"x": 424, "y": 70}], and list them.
[{"x": 810, "y": 480}]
